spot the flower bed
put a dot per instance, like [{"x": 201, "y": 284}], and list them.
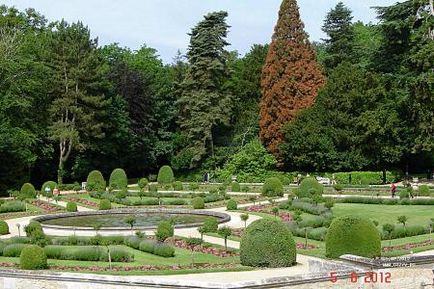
[
  {"x": 199, "y": 248},
  {"x": 47, "y": 206},
  {"x": 83, "y": 202},
  {"x": 408, "y": 246}
]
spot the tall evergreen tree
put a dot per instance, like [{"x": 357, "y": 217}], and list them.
[
  {"x": 340, "y": 32},
  {"x": 291, "y": 76},
  {"x": 204, "y": 101},
  {"x": 76, "y": 79}
]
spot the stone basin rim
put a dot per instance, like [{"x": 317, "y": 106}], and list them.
[{"x": 221, "y": 218}]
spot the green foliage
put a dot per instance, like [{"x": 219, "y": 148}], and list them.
[
  {"x": 231, "y": 205},
  {"x": 363, "y": 178},
  {"x": 33, "y": 258},
  {"x": 49, "y": 184},
  {"x": 133, "y": 242},
  {"x": 14, "y": 250},
  {"x": 143, "y": 182},
  {"x": 309, "y": 187},
  {"x": 4, "y": 228},
  {"x": 402, "y": 220},
  {"x": 210, "y": 225},
  {"x": 118, "y": 179},
  {"x": 12, "y": 206},
  {"x": 164, "y": 230},
  {"x": 28, "y": 191},
  {"x": 267, "y": 243},
  {"x": 165, "y": 175},
  {"x": 352, "y": 235},
  {"x": 104, "y": 204},
  {"x": 71, "y": 207},
  {"x": 338, "y": 187},
  {"x": 251, "y": 163},
  {"x": 177, "y": 186},
  {"x": 235, "y": 187},
  {"x": 272, "y": 187},
  {"x": 164, "y": 250},
  {"x": 95, "y": 182},
  {"x": 198, "y": 203},
  {"x": 147, "y": 246},
  {"x": 88, "y": 253},
  {"x": 423, "y": 190}
]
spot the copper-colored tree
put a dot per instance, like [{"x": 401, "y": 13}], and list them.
[{"x": 291, "y": 76}]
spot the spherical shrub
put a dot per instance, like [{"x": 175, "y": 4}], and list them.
[
  {"x": 143, "y": 182},
  {"x": 28, "y": 191},
  {"x": 165, "y": 230},
  {"x": 165, "y": 175},
  {"x": 198, "y": 203},
  {"x": 352, "y": 235},
  {"x": 272, "y": 187},
  {"x": 177, "y": 186},
  {"x": 310, "y": 187},
  {"x": 33, "y": 258},
  {"x": 232, "y": 205},
  {"x": 105, "y": 204},
  {"x": 49, "y": 184},
  {"x": 32, "y": 228},
  {"x": 267, "y": 243},
  {"x": 95, "y": 181},
  {"x": 235, "y": 187},
  {"x": 423, "y": 190},
  {"x": 118, "y": 179},
  {"x": 210, "y": 225},
  {"x": 4, "y": 228},
  {"x": 71, "y": 207}
]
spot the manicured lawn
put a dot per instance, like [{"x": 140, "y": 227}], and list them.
[{"x": 417, "y": 215}]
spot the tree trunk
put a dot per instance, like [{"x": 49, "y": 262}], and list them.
[
  {"x": 226, "y": 244},
  {"x": 109, "y": 257},
  {"x": 384, "y": 176}
]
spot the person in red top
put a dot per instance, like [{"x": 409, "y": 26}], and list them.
[{"x": 393, "y": 190}]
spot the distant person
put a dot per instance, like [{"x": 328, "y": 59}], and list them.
[
  {"x": 393, "y": 190},
  {"x": 206, "y": 177}
]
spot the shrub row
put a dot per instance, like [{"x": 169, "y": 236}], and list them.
[
  {"x": 12, "y": 206},
  {"x": 309, "y": 208},
  {"x": 88, "y": 253},
  {"x": 312, "y": 233},
  {"x": 374, "y": 200},
  {"x": 363, "y": 178},
  {"x": 150, "y": 246},
  {"x": 86, "y": 241}
]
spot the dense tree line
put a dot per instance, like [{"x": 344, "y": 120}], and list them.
[{"x": 360, "y": 99}]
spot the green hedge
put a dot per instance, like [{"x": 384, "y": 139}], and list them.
[
  {"x": 310, "y": 187},
  {"x": 164, "y": 230},
  {"x": 232, "y": 205},
  {"x": 50, "y": 184},
  {"x": 104, "y": 204},
  {"x": 33, "y": 258},
  {"x": 308, "y": 207},
  {"x": 267, "y": 243},
  {"x": 88, "y": 253},
  {"x": 177, "y": 186},
  {"x": 374, "y": 200},
  {"x": 363, "y": 178},
  {"x": 118, "y": 179},
  {"x": 142, "y": 183},
  {"x": 4, "y": 228},
  {"x": 165, "y": 175},
  {"x": 235, "y": 187},
  {"x": 272, "y": 187},
  {"x": 353, "y": 235},
  {"x": 211, "y": 225},
  {"x": 14, "y": 250},
  {"x": 28, "y": 191},
  {"x": 13, "y": 206},
  {"x": 71, "y": 207},
  {"x": 198, "y": 203},
  {"x": 95, "y": 181}
]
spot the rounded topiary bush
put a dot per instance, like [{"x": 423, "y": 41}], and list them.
[
  {"x": 177, "y": 186},
  {"x": 310, "y": 187},
  {"x": 105, "y": 204},
  {"x": 235, "y": 187},
  {"x": 142, "y": 183},
  {"x": 198, "y": 203},
  {"x": 28, "y": 191},
  {"x": 165, "y": 230},
  {"x": 95, "y": 181},
  {"x": 33, "y": 258},
  {"x": 71, "y": 207},
  {"x": 267, "y": 243},
  {"x": 352, "y": 235},
  {"x": 232, "y": 205},
  {"x": 118, "y": 179},
  {"x": 273, "y": 187},
  {"x": 49, "y": 184},
  {"x": 165, "y": 175},
  {"x": 4, "y": 228}
]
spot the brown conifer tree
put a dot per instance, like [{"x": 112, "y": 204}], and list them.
[{"x": 291, "y": 76}]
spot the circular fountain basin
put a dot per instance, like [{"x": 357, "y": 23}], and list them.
[{"x": 146, "y": 219}]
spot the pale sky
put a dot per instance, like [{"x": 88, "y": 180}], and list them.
[{"x": 164, "y": 24}]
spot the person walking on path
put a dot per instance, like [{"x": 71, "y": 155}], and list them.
[{"x": 393, "y": 190}]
